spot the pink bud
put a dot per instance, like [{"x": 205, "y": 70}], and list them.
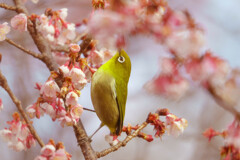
[
  {"x": 74, "y": 47},
  {"x": 19, "y": 22}
]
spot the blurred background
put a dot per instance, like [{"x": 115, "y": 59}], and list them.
[{"x": 221, "y": 21}]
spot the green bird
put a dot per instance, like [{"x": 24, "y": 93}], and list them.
[{"x": 109, "y": 89}]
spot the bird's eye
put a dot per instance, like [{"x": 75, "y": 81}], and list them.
[{"x": 121, "y": 59}]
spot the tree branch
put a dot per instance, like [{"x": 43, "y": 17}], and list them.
[
  {"x": 5, "y": 6},
  {"x": 38, "y": 56},
  {"x": 83, "y": 141},
  {"x": 123, "y": 143},
  {"x": 5, "y": 86}
]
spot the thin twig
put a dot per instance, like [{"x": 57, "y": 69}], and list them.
[
  {"x": 84, "y": 141},
  {"x": 38, "y": 56},
  {"x": 5, "y": 86},
  {"x": 123, "y": 143},
  {"x": 91, "y": 110},
  {"x": 60, "y": 49},
  {"x": 5, "y": 6}
]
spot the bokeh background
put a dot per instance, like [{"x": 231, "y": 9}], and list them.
[{"x": 221, "y": 21}]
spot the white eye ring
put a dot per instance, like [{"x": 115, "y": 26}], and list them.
[{"x": 121, "y": 59}]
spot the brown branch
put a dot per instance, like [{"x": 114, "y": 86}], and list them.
[
  {"x": 5, "y": 6},
  {"x": 38, "y": 56},
  {"x": 60, "y": 49},
  {"x": 123, "y": 143},
  {"x": 84, "y": 142},
  {"x": 5, "y": 86}
]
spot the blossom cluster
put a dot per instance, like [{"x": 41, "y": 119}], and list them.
[
  {"x": 17, "y": 135},
  {"x": 173, "y": 124},
  {"x": 51, "y": 151},
  {"x": 55, "y": 28},
  {"x": 61, "y": 103},
  {"x": 231, "y": 148}
]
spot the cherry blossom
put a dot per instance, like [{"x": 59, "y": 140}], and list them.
[
  {"x": 99, "y": 57},
  {"x": 71, "y": 98},
  {"x": 17, "y": 135},
  {"x": 185, "y": 43},
  {"x": 233, "y": 134},
  {"x": 78, "y": 78},
  {"x": 176, "y": 125},
  {"x": 34, "y": 110},
  {"x": 4, "y": 29},
  {"x": 55, "y": 29},
  {"x": 19, "y": 22},
  {"x": 65, "y": 70},
  {"x": 49, "y": 90},
  {"x": 107, "y": 25},
  {"x": 173, "y": 86},
  {"x": 53, "y": 152}
]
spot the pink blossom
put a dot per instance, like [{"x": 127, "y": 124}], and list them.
[
  {"x": 4, "y": 29},
  {"x": 71, "y": 98},
  {"x": 173, "y": 86},
  {"x": 106, "y": 26},
  {"x": 49, "y": 109},
  {"x": 63, "y": 13},
  {"x": 185, "y": 43},
  {"x": 19, "y": 22},
  {"x": 208, "y": 68},
  {"x": 176, "y": 125},
  {"x": 49, "y": 90},
  {"x": 99, "y": 57},
  {"x": 76, "y": 112},
  {"x": 233, "y": 134},
  {"x": 168, "y": 66},
  {"x": 18, "y": 135},
  {"x": 60, "y": 154},
  {"x": 48, "y": 150},
  {"x": 66, "y": 120},
  {"x": 64, "y": 69},
  {"x": 111, "y": 140},
  {"x": 1, "y": 104},
  {"x": 34, "y": 111},
  {"x": 78, "y": 78},
  {"x": 66, "y": 34},
  {"x": 74, "y": 47}
]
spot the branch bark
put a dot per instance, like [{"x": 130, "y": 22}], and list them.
[
  {"x": 38, "y": 56},
  {"x": 5, "y": 6}
]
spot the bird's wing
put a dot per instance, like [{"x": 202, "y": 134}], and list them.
[{"x": 121, "y": 90}]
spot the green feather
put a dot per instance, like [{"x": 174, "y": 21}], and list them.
[{"x": 109, "y": 91}]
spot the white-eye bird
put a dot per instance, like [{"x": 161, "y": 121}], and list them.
[{"x": 109, "y": 88}]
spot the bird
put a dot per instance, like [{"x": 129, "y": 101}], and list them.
[{"x": 109, "y": 89}]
